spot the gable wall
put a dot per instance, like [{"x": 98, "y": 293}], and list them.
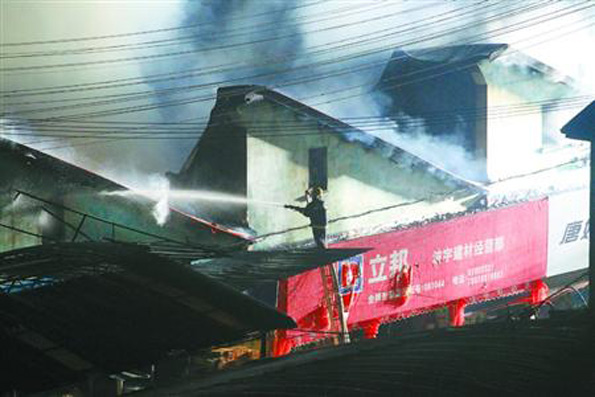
[
  {"x": 360, "y": 178},
  {"x": 518, "y": 127}
]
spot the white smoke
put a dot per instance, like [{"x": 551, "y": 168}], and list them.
[
  {"x": 10, "y": 131},
  {"x": 286, "y": 35},
  {"x": 446, "y": 152},
  {"x": 154, "y": 186},
  {"x": 345, "y": 90},
  {"x": 161, "y": 210}
]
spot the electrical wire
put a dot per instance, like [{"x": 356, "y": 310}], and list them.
[
  {"x": 296, "y": 128},
  {"x": 227, "y": 67},
  {"x": 298, "y": 131},
  {"x": 363, "y": 121},
  {"x": 242, "y": 31},
  {"x": 193, "y": 51},
  {"x": 151, "y": 31},
  {"x": 189, "y": 100}
]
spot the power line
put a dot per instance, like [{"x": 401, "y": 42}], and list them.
[
  {"x": 107, "y": 135},
  {"x": 151, "y": 31},
  {"x": 372, "y": 124},
  {"x": 312, "y": 79},
  {"x": 186, "y": 52},
  {"x": 87, "y": 104},
  {"x": 383, "y": 124},
  {"x": 550, "y": 104},
  {"x": 422, "y": 119},
  {"x": 242, "y": 31},
  {"x": 228, "y": 67},
  {"x": 297, "y": 129},
  {"x": 210, "y": 97}
]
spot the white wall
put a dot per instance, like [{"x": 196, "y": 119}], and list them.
[
  {"x": 513, "y": 137},
  {"x": 360, "y": 179}
]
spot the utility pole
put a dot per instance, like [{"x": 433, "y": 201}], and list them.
[
  {"x": 340, "y": 308},
  {"x": 591, "y": 239},
  {"x": 582, "y": 127}
]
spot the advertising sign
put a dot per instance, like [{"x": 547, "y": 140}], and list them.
[
  {"x": 568, "y": 232},
  {"x": 476, "y": 256}
]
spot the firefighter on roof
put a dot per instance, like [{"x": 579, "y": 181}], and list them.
[{"x": 316, "y": 212}]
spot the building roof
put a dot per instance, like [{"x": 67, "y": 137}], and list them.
[
  {"x": 69, "y": 308},
  {"x": 346, "y": 132},
  {"x": 418, "y": 66},
  {"x": 582, "y": 126},
  {"x": 519, "y": 358},
  {"x": 458, "y": 56},
  {"x": 469, "y": 53},
  {"x": 65, "y": 173},
  {"x": 248, "y": 269}
]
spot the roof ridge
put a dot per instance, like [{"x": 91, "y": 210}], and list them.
[{"x": 375, "y": 141}]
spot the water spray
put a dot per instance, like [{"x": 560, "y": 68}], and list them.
[{"x": 191, "y": 195}]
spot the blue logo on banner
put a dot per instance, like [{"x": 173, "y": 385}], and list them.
[{"x": 351, "y": 275}]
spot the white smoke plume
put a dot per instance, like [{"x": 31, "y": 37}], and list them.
[
  {"x": 156, "y": 186},
  {"x": 431, "y": 148},
  {"x": 292, "y": 44},
  {"x": 345, "y": 91}
]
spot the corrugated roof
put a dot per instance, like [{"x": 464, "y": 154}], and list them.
[
  {"x": 250, "y": 268},
  {"x": 111, "y": 307},
  {"x": 514, "y": 359},
  {"x": 65, "y": 172}
]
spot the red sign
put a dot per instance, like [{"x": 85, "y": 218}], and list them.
[{"x": 478, "y": 257}]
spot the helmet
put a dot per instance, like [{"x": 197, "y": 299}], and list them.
[{"x": 316, "y": 191}]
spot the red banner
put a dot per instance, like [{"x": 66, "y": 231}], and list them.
[{"x": 476, "y": 257}]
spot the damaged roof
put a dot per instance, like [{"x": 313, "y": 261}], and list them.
[
  {"x": 458, "y": 56},
  {"x": 247, "y": 269},
  {"x": 415, "y": 66},
  {"x": 344, "y": 131},
  {"x": 457, "y": 53},
  {"x": 16, "y": 158}
]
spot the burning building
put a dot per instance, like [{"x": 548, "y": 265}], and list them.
[
  {"x": 395, "y": 189},
  {"x": 269, "y": 147},
  {"x": 502, "y": 106},
  {"x": 92, "y": 280},
  {"x": 56, "y": 201},
  {"x": 90, "y": 283},
  {"x": 435, "y": 237},
  {"x": 477, "y": 121}
]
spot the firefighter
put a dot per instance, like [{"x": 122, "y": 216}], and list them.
[{"x": 316, "y": 212}]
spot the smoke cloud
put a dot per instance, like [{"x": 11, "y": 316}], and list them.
[
  {"x": 289, "y": 41},
  {"x": 287, "y": 45}
]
